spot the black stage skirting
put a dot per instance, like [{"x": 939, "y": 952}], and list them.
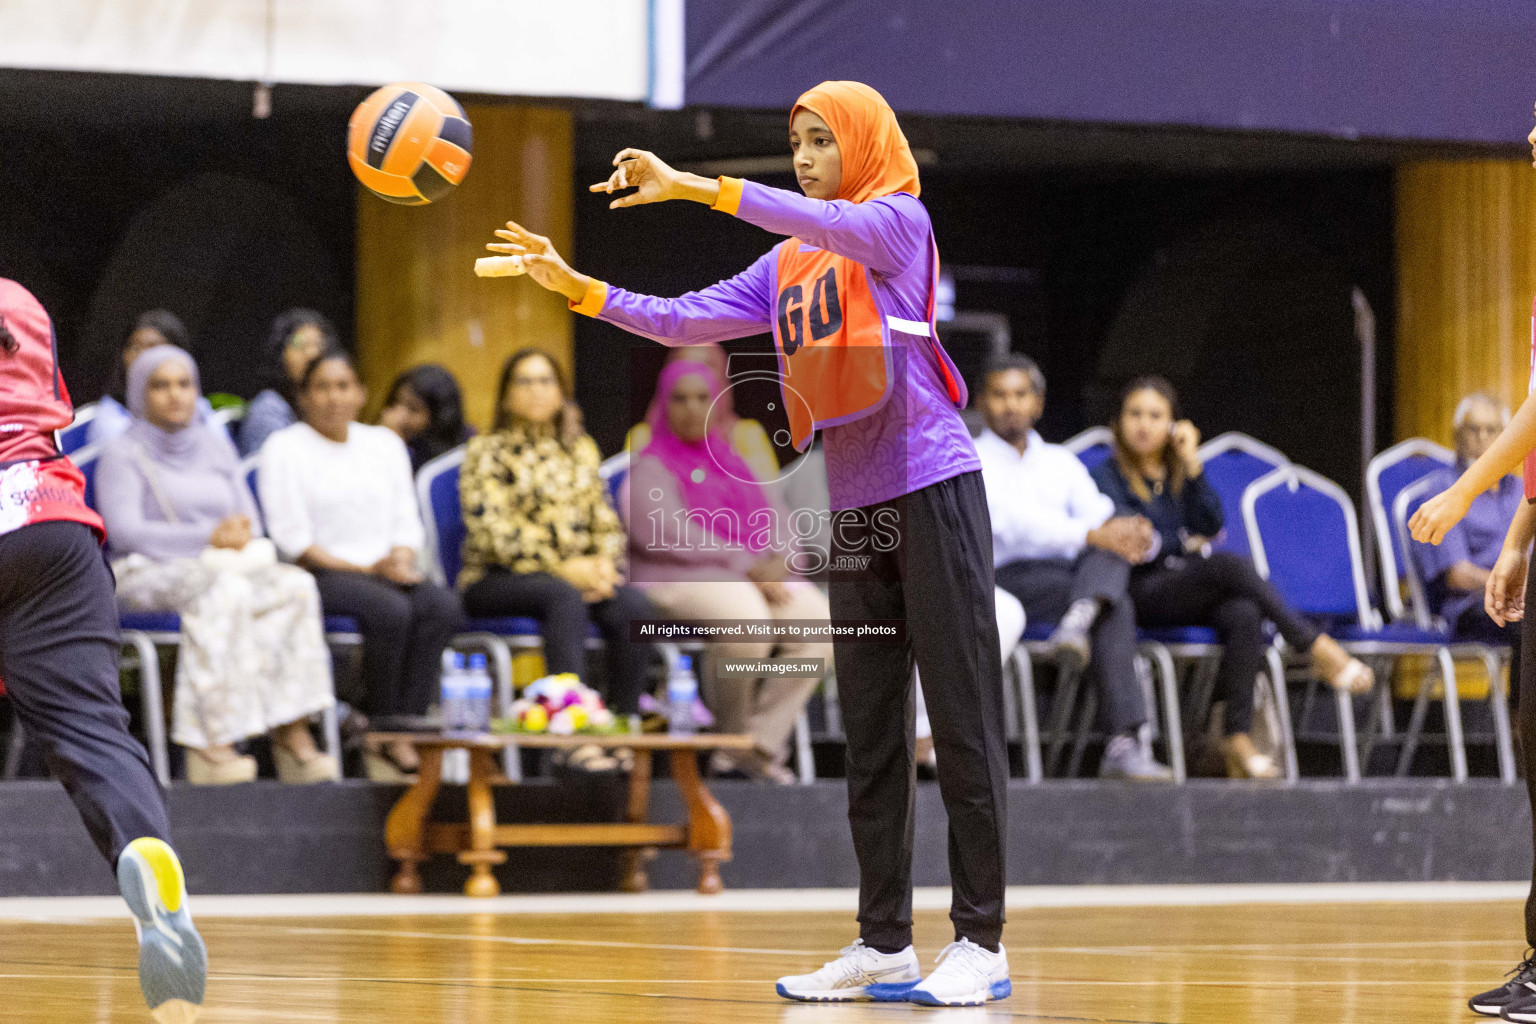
[{"x": 270, "y": 838}]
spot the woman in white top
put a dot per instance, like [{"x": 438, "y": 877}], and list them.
[{"x": 339, "y": 501}]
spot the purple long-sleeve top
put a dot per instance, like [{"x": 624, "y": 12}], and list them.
[{"x": 917, "y": 437}]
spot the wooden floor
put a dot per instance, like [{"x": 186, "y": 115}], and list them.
[{"x": 1344, "y": 964}]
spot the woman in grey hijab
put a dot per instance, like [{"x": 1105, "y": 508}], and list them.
[{"x": 185, "y": 537}]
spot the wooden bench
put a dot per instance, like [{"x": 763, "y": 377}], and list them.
[{"x": 411, "y": 838}]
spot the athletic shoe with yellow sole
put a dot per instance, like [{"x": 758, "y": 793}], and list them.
[{"x": 173, "y": 964}]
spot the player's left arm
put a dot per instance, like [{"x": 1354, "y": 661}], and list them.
[
  {"x": 1439, "y": 514},
  {"x": 887, "y": 235}
]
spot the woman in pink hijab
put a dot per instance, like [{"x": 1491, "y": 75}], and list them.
[
  {"x": 747, "y": 436},
  {"x": 707, "y": 541}
]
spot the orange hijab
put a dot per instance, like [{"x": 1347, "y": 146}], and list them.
[{"x": 876, "y": 158}]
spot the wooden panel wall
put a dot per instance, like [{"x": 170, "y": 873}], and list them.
[
  {"x": 418, "y": 299},
  {"x": 1466, "y": 266}
]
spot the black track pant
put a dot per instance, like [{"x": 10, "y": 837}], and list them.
[
  {"x": 565, "y": 619},
  {"x": 1526, "y": 724},
  {"x": 405, "y": 630},
  {"x": 1047, "y": 587},
  {"x": 59, "y": 648},
  {"x": 1226, "y": 593},
  {"x": 939, "y": 579}
]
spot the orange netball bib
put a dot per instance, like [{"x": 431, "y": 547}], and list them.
[{"x": 834, "y": 359}]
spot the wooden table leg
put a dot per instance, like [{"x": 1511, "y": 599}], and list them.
[
  {"x": 633, "y": 860},
  {"x": 482, "y": 853},
  {"x": 405, "y": 827},
  {"x": 709, "y": 826}
]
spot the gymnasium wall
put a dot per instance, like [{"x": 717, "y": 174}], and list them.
[
  {"x": 418, "y": 299},
  {"x": 1466, "y": 269},
  {"x": 1393, "y": 69},
  {"x": 126, "y": 192},
  {"x": 587, "y": 48}
]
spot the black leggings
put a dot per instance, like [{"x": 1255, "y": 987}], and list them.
[
  {"x": 565, "y": 619},
  {"x": 1525, "y": 712},
  {"x": 405, "y": 630},
  {"x": 1226, "y": 593},
  {"x": 59, "y": 646}
]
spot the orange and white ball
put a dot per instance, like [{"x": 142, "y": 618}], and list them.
[{"x": 410, "y": 143}]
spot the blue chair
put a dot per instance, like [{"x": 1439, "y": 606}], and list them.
[
  {"x": 1492, "y": 658},
  {"x": 1305, "y": 539},
  {"x": 614, "y": 471},
  {"x": 437, "y": 493},
  {"x": 1232, "y": 462},
  {"x": 249, "y": 468},
  {"x": 1092, "y": 446},
  {"x": 1397, "y": 482},
  {"x": 141, "y": 646},
  {"x": 72, "y": 438},
  {"x": 1386, "y": 477}
]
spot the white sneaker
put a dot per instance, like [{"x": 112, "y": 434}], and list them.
[
  {"x": 967, "y": 975},
  {"x": 859, "y": 973}
]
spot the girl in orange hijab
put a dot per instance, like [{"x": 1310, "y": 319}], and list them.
[{"x": 849, "y": 296}]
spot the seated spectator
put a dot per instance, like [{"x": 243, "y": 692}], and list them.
[
  {"x": 426, "y": 408},
  {"x": 185, "y": 538},
  {"x": 1156, "y": 473},
  {"x": 542, "y": 540},
  {"x": 339, "y": 501},
  {"x": 1062, "y": 552},
  {"x": 296, "y": 338},
  {"x": 747, "y": 437},
  {"x": 1456, "y": 572},
  {"x": 155, "y": 327},
  {"x": 1010, "y": 630},
  {"x": 700, "y": 544}
]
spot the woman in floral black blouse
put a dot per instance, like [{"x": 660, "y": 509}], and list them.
[{"x": 542, "y": 540}]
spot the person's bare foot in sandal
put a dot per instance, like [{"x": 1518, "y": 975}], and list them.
[{"x": 1343, "y": 672}]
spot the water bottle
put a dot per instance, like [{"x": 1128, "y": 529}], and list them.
[
  {"x": 682, "y": 691},
  {"x": 455, "y": 692},
  {"x": 477, "y": 697}
]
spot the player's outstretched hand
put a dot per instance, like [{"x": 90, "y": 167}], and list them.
[
  {"x": 1504, "y": 596},
  {"x": 652, "y": 178},
  {"x": 540, "y": 259},
  {"x": 1437, "y": 516},
  {"x": 654, "y": 181}
]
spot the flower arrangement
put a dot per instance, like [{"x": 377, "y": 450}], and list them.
[{"x": 560, "y": 705}]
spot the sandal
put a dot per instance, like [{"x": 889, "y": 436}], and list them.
[
  {"x": 304, "y": 771},
  {"x": 203, "y": 770},
  {"x": 1244, "y": 760},
  {"x": 589, "y": 758},
  {"x": 1355, "y": 677},
  {"x": 382, "y": 767}
]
